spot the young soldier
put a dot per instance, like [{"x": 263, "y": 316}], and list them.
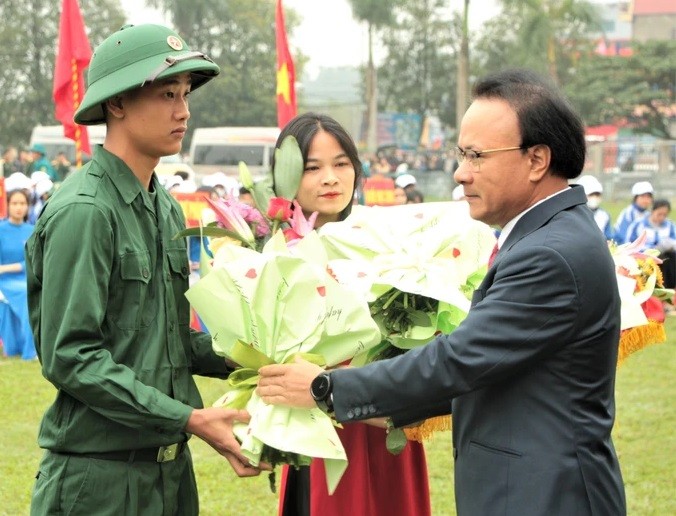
[{"x": 106, "y": 298}]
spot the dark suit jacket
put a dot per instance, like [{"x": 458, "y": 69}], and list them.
[{"x": 529, "y": 375}]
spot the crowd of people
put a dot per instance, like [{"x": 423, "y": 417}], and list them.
[
  {"x": 645, "y": 216},
  {"x": 532, "y": 404}
]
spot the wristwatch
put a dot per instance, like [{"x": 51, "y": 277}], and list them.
[{"x": 321, "y": 389}]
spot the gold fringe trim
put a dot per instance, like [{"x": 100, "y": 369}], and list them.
[
  {"x": 637, "y": 338},
  {"x": 425, "y": 429}
]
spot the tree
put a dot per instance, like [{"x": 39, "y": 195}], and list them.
[
  {"x": 419, "y": 72},
  {"x": 27, "y": 47},
  {"x": 376, "y": 14},
  {"x": 636, "y": 90},
  {"x": 544, "y": 35},
  {"x": 239, "y": 35}
]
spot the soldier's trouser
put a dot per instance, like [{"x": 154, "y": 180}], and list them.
[{"x": 68, "y": 484}]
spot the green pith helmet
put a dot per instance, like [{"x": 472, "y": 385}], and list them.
[{"x": 134, "y": 56}]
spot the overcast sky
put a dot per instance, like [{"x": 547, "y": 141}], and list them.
[{"x": 328, "y": 34}]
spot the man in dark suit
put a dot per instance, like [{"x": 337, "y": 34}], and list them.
[{"x": 529, "y": 375}]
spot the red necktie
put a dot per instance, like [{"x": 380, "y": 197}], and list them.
[{"x": 494, "y": 253}]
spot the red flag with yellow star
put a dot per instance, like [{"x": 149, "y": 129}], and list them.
[
  {"x": 286, "y": 73},
  {"x": 72, "y": 58}
]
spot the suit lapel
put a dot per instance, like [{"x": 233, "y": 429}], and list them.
[{"x": 543, "y": 213}]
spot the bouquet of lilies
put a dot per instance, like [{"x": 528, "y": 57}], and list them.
[
  {"x": 417, "y": 265},
  {"x": 269, "y": 303},
  {"x": 639, "y": 280}
]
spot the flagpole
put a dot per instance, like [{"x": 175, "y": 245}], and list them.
[
  {"x": 72, "y": 59},
  {"x": 76, "y": 104}
]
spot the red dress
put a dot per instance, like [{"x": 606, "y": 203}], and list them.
[{"x": 375, "y": 482}]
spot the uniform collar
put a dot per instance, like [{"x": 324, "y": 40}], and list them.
[{"x": 126, "y": 183}]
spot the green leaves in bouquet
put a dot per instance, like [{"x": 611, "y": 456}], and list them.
[
  {"x": 396, "y": 440},
  {"x": 275, "y": 457},
  {"x": 396, "y": 311},
  {"x": 288, "y": 169},
  {"x": 261, "y": 190},
  {"x": 285, "y": 178},
  {"x": 210, "y": 230}
]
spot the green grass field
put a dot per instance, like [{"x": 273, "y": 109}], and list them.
[{"x": 644, "y": 437}]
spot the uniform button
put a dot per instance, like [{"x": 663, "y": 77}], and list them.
[
  {"x": 357, "y": 411},
  {"x": 145, "y": 272},
  {"x": 372, "y": 409},
  {"x": 168, "y": 277},
  {"x": 171, "y": 327},
  {"x": 184, "y": 270},
  {"x": 365, "y": 409},
  {"x": 350, "y": 414}
]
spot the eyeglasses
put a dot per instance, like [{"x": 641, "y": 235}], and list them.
[{"x": 474, "y": 157}]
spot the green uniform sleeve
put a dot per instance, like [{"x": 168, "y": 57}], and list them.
[
  {"x": 77, "y": 251},
  {"x": 205, "y": 362}
]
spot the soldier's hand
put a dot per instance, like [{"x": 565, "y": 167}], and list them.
[{"x": 214, "y": 426}]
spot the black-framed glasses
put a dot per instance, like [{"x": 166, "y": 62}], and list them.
[{"x": 474, "y": 156}]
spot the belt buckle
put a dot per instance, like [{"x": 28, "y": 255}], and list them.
[{"x": 167, "y": 453}]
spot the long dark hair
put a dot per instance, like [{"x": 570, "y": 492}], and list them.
[{"x": 304, "y": 128}]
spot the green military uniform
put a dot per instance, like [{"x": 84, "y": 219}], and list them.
[{"x": 111, "y": 322}]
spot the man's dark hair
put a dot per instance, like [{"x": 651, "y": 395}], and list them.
[{"x": 545, "y": 116}]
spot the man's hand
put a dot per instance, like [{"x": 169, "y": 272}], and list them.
[
  {"x": 288, "y": 384},
  {"x": 214, "y": 426}
]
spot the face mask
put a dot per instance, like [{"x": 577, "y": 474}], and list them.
[{"x": 593, "y": 202}]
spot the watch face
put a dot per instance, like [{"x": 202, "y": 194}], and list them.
[{"x": 320, "y": 387}]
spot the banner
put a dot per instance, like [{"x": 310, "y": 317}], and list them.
[
  {"x": 192, "y": 205},
  {"x": 72, "y": 58},
  {"x": 286, "y": 73}
]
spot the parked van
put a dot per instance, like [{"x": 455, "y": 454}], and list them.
[
  {"x": 216, "y": 149},
  {"x": 51, "y": 136}
]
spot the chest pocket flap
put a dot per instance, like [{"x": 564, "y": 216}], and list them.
[
  {"x": 178, "y": 261},
  {"x": 135, "y": 266}
]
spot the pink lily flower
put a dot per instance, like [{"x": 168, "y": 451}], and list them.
[
  {"x": 230, "y": 218},
  {"x": 300, "y": 226}
]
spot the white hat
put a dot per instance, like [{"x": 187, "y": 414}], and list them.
[
  {"x": 18, "y": 181},
  {"x": 229, "y": 184},
  {"x": 172, "y": 182},
  {"x": 405, "y": 180},
  {"x": 186, "y": 186},
  {"x": 43, "y": 186},
  {"x": 458, "y": 193},
  {"x": 217, "y": 178},
  {"x": 642, "y": 187},
  {"x": 38, "y": 176},
  {"x": 590, "y": 184}
]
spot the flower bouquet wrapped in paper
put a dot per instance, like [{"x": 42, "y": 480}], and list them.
[
  {"x": 639, "y": 280},
  {"x": 269, "y": 307},
  {"x": 417, "y": 265}
]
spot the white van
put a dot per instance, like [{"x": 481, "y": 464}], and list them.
[
  {"x": 216, "y": 149},
  {"x": 51, "y": 136}
]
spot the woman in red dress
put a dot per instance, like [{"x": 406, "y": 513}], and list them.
[{"x": 375, "y": 482}]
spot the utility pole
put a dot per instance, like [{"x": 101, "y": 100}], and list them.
[{"x": 462, "y": 92}]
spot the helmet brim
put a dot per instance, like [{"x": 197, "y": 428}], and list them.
[{"x": 91, "y": 110}]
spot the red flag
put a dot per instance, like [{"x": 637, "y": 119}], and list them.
[
  {"x": 72, "y": 59},
  {"x": 286, "y": 73}
]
